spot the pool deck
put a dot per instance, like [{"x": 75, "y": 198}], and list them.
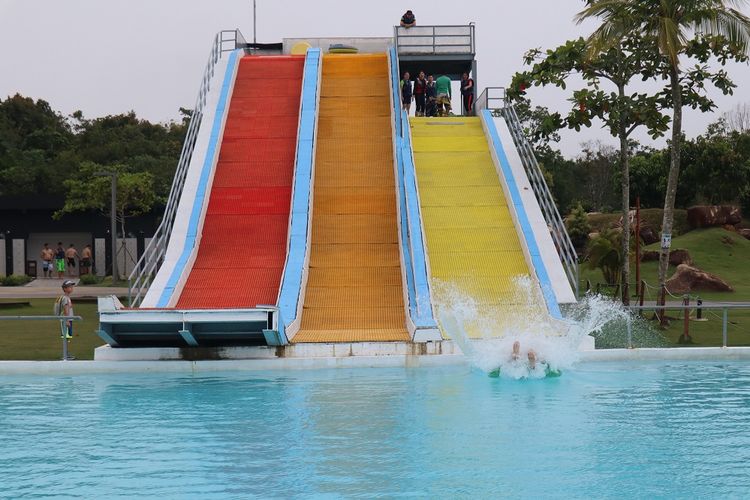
[{"x": 326, "y": 356}]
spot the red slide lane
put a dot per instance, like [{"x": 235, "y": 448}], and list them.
[{"x": 243, "y": 246}]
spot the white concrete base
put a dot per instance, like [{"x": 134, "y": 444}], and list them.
[
  {"x": 265, "y": 361},
  {"x": 588, "y": 343},
  {"x": 671, "y": 354},
  {"x": 292, "y": 351}
]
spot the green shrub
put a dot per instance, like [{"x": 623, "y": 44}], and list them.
[
  {"x": 578, "y": 226},
  {"x": 15, "y": 280},
  {"x": 89, "y": 279}
]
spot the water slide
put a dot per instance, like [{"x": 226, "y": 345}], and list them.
[
  {"x": 481, "y": 250},
  {"x": 242, "y": 249},
  {"x": 354, "y": 288},
  {"x": 223, "y": 265}
]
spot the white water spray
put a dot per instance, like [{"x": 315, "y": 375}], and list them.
[{"x": 486, "y": 333}]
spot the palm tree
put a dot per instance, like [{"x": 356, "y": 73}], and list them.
[{"x": 670, "y": 22}]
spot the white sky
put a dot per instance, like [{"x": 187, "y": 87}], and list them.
[{"x": 108, "y": 57}]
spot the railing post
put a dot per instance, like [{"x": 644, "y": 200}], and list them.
[
  {"x": 629, "y": 323},
  {"x": 724, "y": 321},
  {"x": 685, "y": 337}
]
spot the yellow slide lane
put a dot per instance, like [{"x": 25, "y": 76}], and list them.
[
  {"x": 472, "y": 243},
  {"x": 354, "y": 289}
]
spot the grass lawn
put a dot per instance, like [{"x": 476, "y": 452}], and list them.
[
  {"x": 719, "y": 252},
  {"x": 40, "y": 340}
]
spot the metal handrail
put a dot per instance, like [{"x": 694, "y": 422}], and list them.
[
  {"x": 147, "y": 266},
  {"x": 61, "y": 319},
  {"x": 724, "y": 307},
  {"x": 491, "y": 98},
  {"x": 401, "y": 33},
  {"x": 565, "y": 249}
]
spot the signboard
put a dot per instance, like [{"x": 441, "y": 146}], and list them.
[{"x": 666, "y": 241}]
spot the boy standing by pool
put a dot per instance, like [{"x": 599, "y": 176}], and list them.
[{"x": 64, "y": 307}]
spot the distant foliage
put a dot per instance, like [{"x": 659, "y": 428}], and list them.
[
  {"x": 43, "y": 153},
  {"x": 578, "y": 226},
  {"x": 605, "y": 254}
]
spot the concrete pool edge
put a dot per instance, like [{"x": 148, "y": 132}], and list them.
[{"x": 347, "y": 356}]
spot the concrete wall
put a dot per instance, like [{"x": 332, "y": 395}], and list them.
[
  {"x": 19, "y": 257},
  {"x": 2, "y": 258},
  {"x": 100, "y": 256},
  {"x": 127, "y": 256}
]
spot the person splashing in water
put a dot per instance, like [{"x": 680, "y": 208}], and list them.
[{"x": 533, "y": 362}]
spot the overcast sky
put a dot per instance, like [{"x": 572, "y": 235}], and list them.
[{"x": 107, "y": 57}]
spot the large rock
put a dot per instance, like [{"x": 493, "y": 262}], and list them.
[
  {"x": 676, "y": 256},
  {"x": 744, "y": 232},
  {"x": 679, "y": 256},
  {"x": 649, "y": 236},
  {"x": 713, "y": 215},
  {"x": 688, "y": 279}
]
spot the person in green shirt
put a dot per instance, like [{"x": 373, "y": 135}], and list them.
[{"x": 443, "y": 84}]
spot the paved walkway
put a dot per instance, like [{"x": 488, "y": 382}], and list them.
[{"x": 48, "y": 288}]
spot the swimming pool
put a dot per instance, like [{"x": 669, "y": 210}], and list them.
[{"x": 653, "y": 429}]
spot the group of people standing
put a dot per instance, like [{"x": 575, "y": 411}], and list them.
[
  {"x": 61, "y": 260},
  {"x": 433, "y": 96}
]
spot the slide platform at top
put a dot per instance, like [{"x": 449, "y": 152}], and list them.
[
  {"x": 242, "y": 250},
  {"x": 473, "y": 245},
  {"x": 354, "y": 290}
]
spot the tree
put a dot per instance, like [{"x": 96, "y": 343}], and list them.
[
  {"x": 633, "y": 55},
  {"x": 721, "y": 31},
  {"x": 577, "y": 224},
  {"x": 605, "y": 253},
  {"x": 135, "y": 192},
  {"x": 738, "y": 119}
]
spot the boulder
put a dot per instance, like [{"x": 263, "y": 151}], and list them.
[
  {"x": 649, "y": 236},
  {"x": 744, "y": 233},
  {"x": 688, "y": 279},
  {"x": 713, "y": 215},
  {"x": 679, "y": 256},
  {"x": 676, "y": 256},
  {"x": 649, "y": 255}
]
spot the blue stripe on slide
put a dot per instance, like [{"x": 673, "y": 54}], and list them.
[
  {"x": 523, "y": 219},
  {"x": 291, "y": 286},
  {"x": 200, "y": 195}
]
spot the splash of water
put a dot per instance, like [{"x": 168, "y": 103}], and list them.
[{"x": 486, "y": 333}]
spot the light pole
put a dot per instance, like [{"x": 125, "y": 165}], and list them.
[
  {"x": 113, "y": 221},
  {"x": 255, "y": 42}
]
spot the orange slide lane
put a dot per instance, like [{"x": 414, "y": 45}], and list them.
[
  {"x": 354, "y": 287},
  {"x": 242, "y": 250}
]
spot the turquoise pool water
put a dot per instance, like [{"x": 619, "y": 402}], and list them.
[{"x": 600, "y": 431}]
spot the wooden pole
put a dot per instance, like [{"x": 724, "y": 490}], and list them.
[{"x": 638, "y": 246}]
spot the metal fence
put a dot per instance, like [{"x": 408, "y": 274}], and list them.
[
  {"x": 61, "y": 319},
  {"x": 699, "y": 309},
  {"x": 435, "y": 40},
  {"x": 147, "y": 266},
  {"x": 494, "y": 100}
]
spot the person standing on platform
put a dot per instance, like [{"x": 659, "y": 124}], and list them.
[
  {"x": 420, "y": 85},
  {"x": 467, "y": 94},
  {"x": 431, "y": 97},
  {"x": 444, "y": 94},
  {"x": 47, "y": 256},
  {"x": 60, "y": 260},
  {"x": 71, "y": 254},
  {"x": 406, "y": 92},
  {"x": 86, "y": 260}
]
